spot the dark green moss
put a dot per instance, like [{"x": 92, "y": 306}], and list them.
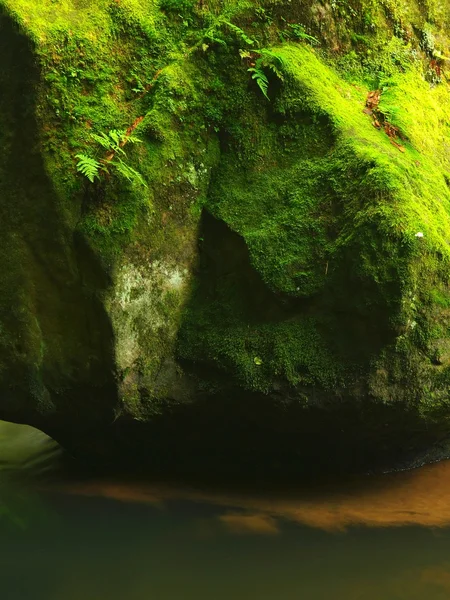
[{"x": 324, "y": 246}]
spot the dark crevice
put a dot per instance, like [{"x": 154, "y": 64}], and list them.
[
  {"x": 56, "y": 343},
  {"x": 226, "y": 275}
]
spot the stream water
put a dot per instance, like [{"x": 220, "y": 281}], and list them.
[{"x": 66, "y": 538}]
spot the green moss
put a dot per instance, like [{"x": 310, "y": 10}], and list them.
[
  {"x": 329, "y": 209},
  {"x": 320, "y": 210},
  {"x": 440, "y": 298}
]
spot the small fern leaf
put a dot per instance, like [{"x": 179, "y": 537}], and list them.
[
  {"x": 260, "y": 77},
  {"x": 129, "y": 173},
  {"x": 240, "y": 32},
  {"x": 117, "y": 136},
  {"x": 269, "y": 56},
  {"x": 132, "y": 139},
  {"x": 263, "y": 86},
  {"x": 103, "y": 140},
  {"x": 88, "y": 166},
  {"x": 273, "y": 67}
]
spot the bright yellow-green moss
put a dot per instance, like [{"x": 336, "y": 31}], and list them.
[
  {"x": 342, "y": 230},
  {"x": 330, "y": 208}
]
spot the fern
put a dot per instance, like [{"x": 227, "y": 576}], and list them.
[
  {"x": 272, "y": 61},
  {"x": 211, "y": 35},
  {"x": 298, "y": 32},
  {"x": 112, "y": 142},
  {"x": 102, "y": 139},
  {"x": 128, "y": 172},
  {"x": 117, "y": 136},
  {"x": 268, "y": 59},
  {"x": 240, "y": 32},
  {"x": 88, "y": 166},
  {"x": 260, "y": 77},
  {"x": 132, "y": 139},
  {"x": 115, "y": 139}
]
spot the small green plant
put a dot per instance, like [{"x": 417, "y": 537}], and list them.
[
  {"x": 115, "y": 140},
  {"x": 139, "y": 87},
  {"x": 267, "y": 60},
  {"x": 264, "y": 16},
  {"x": 297, "y": 31},
  {"x": 113, "y": 143},
  {"x": 213, "y": 34},
  {"x": 240, "y": 33},
  {"x": 260, "y": 77},
  {"x": 128, "y": 172},
  {"x": 88, "y": 166}
]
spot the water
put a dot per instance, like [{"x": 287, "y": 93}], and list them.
[{"x": 385, "y": 538}]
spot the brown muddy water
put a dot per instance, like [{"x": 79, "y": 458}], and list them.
[{"x": 367, "y": 538}]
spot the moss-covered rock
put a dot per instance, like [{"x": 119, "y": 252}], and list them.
[{"x": 272, "y": 285}]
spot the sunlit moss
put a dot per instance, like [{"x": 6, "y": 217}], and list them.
[{"x": 327, "y": 206}]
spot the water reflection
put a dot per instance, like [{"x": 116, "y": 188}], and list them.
[
  {"x": 248, "y": 523},
  {"x": 418, "y": 497},
  {"x": 385, "y": 538}
]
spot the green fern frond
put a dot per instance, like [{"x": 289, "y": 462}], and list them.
[
  {"x": 240, "y": 32},
  {"x": 115, "y": 139},
  {"x": 102, "y": 139},
  {"x": 129, "y": 173},
  {"x": 276, "y": 70},
  {"x": 271, "y": 57},
  {"x": 88, "y": 166},
  {"x": 273, "y": 61},
  {"x": 112, "y": 142},
  {"x": 212, "y": 36},
  {"x": 268, "y": 59},
  {"x": 297, "y": 31},
  {"x": 132, "y": 139},
  {"x": 117, "y": 136},
  {"x": 260, "y": 77}
]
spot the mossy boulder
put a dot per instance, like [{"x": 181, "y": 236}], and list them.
[{"x": 272, "y": 291}]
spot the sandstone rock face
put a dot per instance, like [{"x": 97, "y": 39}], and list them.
[{"x": 260, "y": 280}]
